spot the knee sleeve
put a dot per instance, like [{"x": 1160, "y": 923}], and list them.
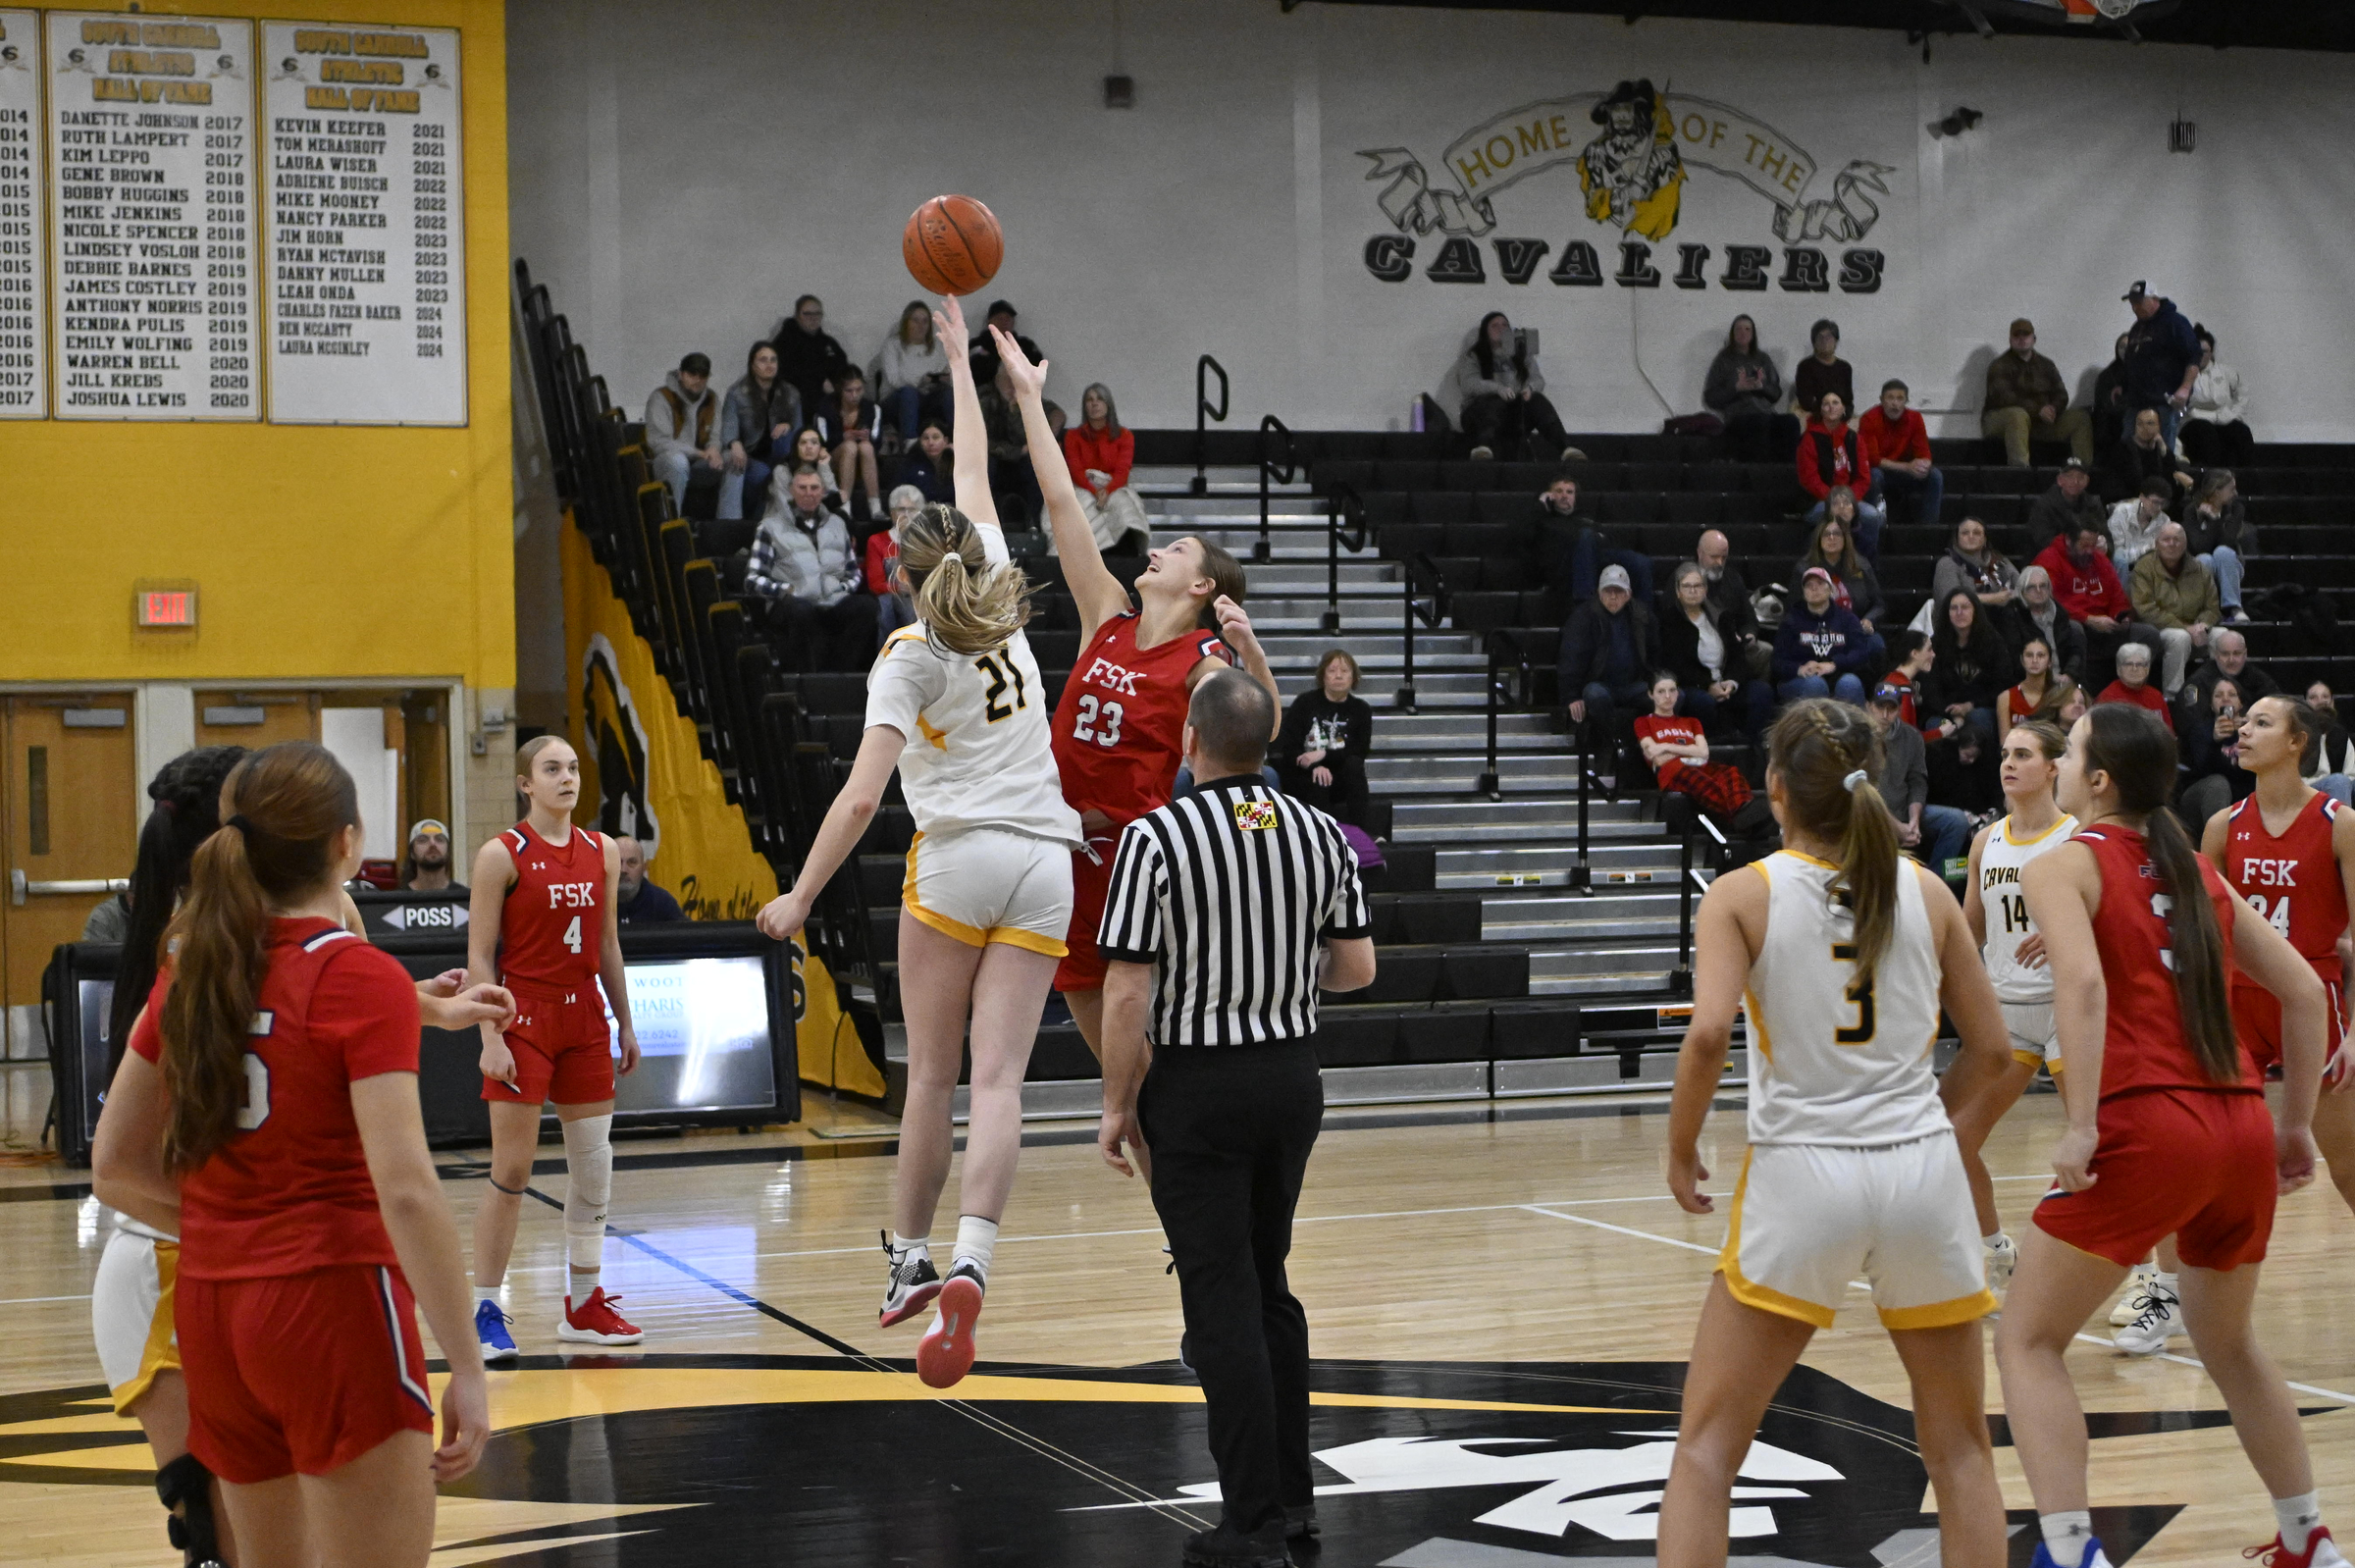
[
  {"x": 185, "y": 1483},
  {"x": 589, "y": 1160}
]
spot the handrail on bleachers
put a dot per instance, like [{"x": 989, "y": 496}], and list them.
[
  {"x": 1342, "y": 499},
  {"x": 1271, "y": 472},
  {"x": 1423, "y": 579},
  {"x": 1204, "y": 411}
]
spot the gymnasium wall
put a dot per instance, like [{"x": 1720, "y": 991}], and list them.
[{"x": 681, "y": 173}]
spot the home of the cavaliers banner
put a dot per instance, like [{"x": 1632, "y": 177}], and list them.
[{"x": 1632, "y": 151}]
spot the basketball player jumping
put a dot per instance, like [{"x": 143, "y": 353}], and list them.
[
  {"x": 1843, "y": 954},
  {"x": 955, "y": 702},
  {"x": 542, "y": 923}
]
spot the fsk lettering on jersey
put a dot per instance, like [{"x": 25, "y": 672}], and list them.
[
  {"x": 571, "y": 895},
  {"x": 1114, "y": 677}
]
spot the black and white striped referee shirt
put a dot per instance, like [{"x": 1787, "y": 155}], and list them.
[{"x": 1228, "y": 892}]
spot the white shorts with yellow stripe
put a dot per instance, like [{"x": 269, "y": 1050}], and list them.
[
  {"x": 987, "y": 885},
  {"x": 1810, "y": 1218},
  {"x": 131, "y": 1314},
  {"x": 2035, "y": 1041}
]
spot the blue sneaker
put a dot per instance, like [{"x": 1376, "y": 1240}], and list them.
[
  {"x": 2093, "y": 1557},
  {"x": 490, "y": 1327}
]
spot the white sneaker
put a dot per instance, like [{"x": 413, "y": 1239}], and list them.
[
  {"x": 2003, "y": 1256},
  {"x": 2129, "y": 1306},
  {"x": 2161, "y": 1318}
]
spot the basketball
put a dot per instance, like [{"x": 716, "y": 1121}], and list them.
[{"x": 953, "y": 244}]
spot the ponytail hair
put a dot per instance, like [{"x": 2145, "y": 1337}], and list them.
[
  {"x": 280, "y": 808},
  {"x": 1820, "y": 746},
  {"x": 966, "y": 604},
  {"x": 187, "y": 791},
  {"x": 1226, "y": 572},
  {"x": 2134, "y": 747}
]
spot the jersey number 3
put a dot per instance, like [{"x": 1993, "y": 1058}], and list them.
[
  {"x": 1098, "y": 723},
  {"x": 1861, "y": 994}
]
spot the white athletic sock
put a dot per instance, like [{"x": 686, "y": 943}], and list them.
[
  {"x": 2298, "y": 1516},
  {"x": 581, "y": 1283},
  {"x": 1993, "y": 1238},
  {"x": 976, "y": 1240},
  {"x": 2067, "y": 1536},
  {"x": 2168, "y": 1281},
  {"x": 903, "y": 1246}
]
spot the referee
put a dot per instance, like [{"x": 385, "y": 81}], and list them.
[{"x": 1228, "y": 911}]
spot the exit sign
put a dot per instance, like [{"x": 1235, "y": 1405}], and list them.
[{"x": 165, "y": 606}]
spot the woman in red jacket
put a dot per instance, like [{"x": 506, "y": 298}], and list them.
[
  {"x": 1829, "y": 454},
  {"x": 1100, "y": 455}
]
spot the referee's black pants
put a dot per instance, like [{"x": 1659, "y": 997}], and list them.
[{"x": 1230, "y": 1129}]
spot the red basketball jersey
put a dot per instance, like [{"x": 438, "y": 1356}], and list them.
[
  {"x": 1121, "y": 725},
  {"x": 290, "y": 1192},
  {"x": 2293, "y": 879},
  {"x": 2145, "y": 1046},
  {"x": 554, "y": 924}
]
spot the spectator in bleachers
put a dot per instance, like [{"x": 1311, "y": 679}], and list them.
[
  {"x": 2228, "y": 661},
  {"x": 2026, "y": 402},
  {"x": 807, "y": 355},
  {"x": 1676, "y": 748},
  {"x": 1327, "y": 735},
  {"x": 1912, "y": 655},
  {"x": 1821, "y": 649},
  {"x": 982, "y": 355},
  {"x": 1933, "y": 835},
  {"x": 804, "y": 575},
  {"x": 2110, "y": 411},
  {"x": 1503, "y": 395},
  {"x": 808, "y": 450},
  {"x": 1571, "y": 549},
  {"x": 2162, "y": 358},
  {"x": 850, "y": 424},
  {"x": 2133, "y": 684},
  {"x": 892, "y": 610},
  {"x": 2037, "y": 615},
  {"x": 2143, "y": 455},
  {"x": 637, "y": 900},
  {"x": 2041, "y": 692},
  {"x": 2134, "y": 525},
  {"x": 1729, "y": 602},
  {"x": 1821, "y": 372},
  {"x": 2061, "y": 510},
  {"x": 912, "y": 373},
  {"x": 1855, "y": 587},
  {"x": 2086, "y": 589},
  {"x": 1895, "y": 445},
  {"x": 2176, "y": 596},
  {"x": 762, "y": 413},
  {"x": 428, "y": 868},
  {"x": 1010, "y": 481},
  {"x": 2213, "y": 777},
  {"x": 1697, "y": 649},
  {"x": 682, "y": 435},
  {"x": 1970, "y": 669},
  {"x": 1610, "y": 646},
  {"x": 2216, "y": 427},
  {"x": 1830, "y": 457},
  {"x": 2220, "y": 535},
  {"x": 2332, "y": 767},
  {"x": 929, "y": 465},
  {"x": 1100, "y": 455},
  {"x": 1971, "y": 562},
  {"x": 1746, "y": 391}
]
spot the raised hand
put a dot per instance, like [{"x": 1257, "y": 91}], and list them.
[
  {"x": 947, "y": 325},
  {"x": 1027, "y": 377}
]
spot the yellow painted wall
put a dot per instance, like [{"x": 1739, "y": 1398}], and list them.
[{"x": 319, "y": 553}]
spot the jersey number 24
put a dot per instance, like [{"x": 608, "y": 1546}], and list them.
[
  {"x": 1098, "y": 722},
  {"x": 2278, "y": 917}
]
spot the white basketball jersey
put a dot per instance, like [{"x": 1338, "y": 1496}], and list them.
[
  {"x": 978, "y": 754},
  {"x": 1831, "y": 1061},
  {"x": 2001, "y": 861}
]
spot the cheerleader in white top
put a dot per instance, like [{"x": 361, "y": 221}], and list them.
[
  {"x": 1841, "y": 954},
  {"x": 955, "y": 702},
  {"x": 2014, "y": 951}
]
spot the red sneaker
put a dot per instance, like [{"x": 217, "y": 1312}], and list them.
[
  {"x": 2321, "y": 1552},
  {"x": 595, "y": 1320},
  {"x": 946, "y": 1353}
]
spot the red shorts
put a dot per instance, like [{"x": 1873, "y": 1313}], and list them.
[
  {"x": 2191, "y": 1164},
  {"x": 303, "y": 1373},
  {"x": 1082, "y": 965},
  {"x": 2257, "y": 1019},
  {"x": 563, "y": 1051}
]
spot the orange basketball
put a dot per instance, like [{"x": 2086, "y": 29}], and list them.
[{"x": 952, "y": 246}]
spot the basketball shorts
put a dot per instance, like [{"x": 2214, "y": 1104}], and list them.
[
  {"x": 303, "y": 1373},
  {"x": 563, "y": 1050},
  {"x": 988, "y": 885},
  {"x": 2191, "y": 1164},
  {"x": 1808, "y": 1218},
  {"x": 2034, "y": 1042},
  {"x": 131, "y": 1314},
  {"x": 2257, "y": 1019},
  {"x": 1083, "y": 968}
]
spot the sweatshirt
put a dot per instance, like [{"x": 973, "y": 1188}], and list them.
[
  {"x": 1905, "y": 441},
  {"x": 1807, "y": 638},
  {"x": 1110, "y": 451},
  {"x": 1507, "y": 382},
  {"x": 904, "y": 364},
  {"x": 680, "y": 424},
  {"x": 1831, "y": 455},
  {"x": 2084, "y": 591},
  {"x": 1343, "y": 731}
]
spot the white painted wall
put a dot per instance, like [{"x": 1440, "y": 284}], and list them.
[{"x": 679, "y": 172}]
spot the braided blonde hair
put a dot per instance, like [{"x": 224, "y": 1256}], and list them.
[
  {"x": 1819, "y": 746},
  {"x": 966, "y": 604}
]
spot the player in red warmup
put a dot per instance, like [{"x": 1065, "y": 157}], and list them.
[
  {"x": 2168, "y": 1133},
  {"x": 268, "y": 1106},
  {"x": 541, "y": 923},
  {"x": 1122, "y": 718}
]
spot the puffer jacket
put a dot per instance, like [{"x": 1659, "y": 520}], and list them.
[
  {"x": 678, "y": 423},
  {"x": 807, "y": 557}
]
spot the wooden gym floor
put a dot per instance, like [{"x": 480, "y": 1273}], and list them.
[{"x": 1500, "y": 1307}]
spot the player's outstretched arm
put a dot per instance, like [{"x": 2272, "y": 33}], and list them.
[
  {"x": 1726, "y": 933},
  {"x": 845, "y": 824},
  {"x": 972, "y": 451},
  {"x": 1096, "y": 593},
  {"x": 610, "y": 967}
]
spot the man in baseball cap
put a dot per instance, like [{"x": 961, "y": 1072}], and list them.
[
  {"x": 2163, "y": 358},
  {"x": 2027, "y": 401},
  {"x": 428, "y": 868},
  {"x": 1610, "y": 647}
]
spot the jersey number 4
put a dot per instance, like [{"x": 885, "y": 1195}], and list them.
[
  {"x": 1098, "y": 722},
  {"x": 1861, "y": 996},
  {"x": 993, "y": 707},
  {"x": 2278, "y": 917},
  {"x": 572, "y": 934}
]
